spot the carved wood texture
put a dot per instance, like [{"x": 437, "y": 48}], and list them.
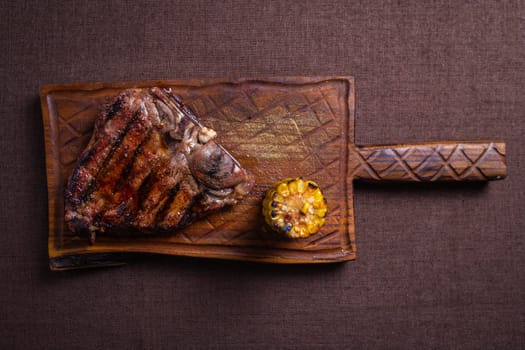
[
  {"x": 467, "y": 161},
  {"x": 276, "y": 128}
]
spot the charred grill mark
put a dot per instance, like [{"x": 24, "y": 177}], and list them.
[
  {"x": 129, "y": 167},
  {"x": 86, "y": 157},
  {"x": 113, "y": 109},
  {"x": 87, "y": 195},
  {"x": 73, "y": 184},
  {"x": 70, "y": 189},
  {"x": 104, "y": 167},
  {"x": 152, "y": 212},
  {"x": 188, "y": 213},
  {"x": 172, "y": 194},
  {"x": 122, "y": 206},
  {"x": 83, "y": 180},
  {"x": 116, "y": 145},
  {"x": 144, "y": 190},
  {"x": 153, "y": 199},
  {"x": 121, "y": 209},
  {"x": 130, "y": 176}
]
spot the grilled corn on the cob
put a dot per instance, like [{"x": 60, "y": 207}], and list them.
[{"x": 295, "y": 208}]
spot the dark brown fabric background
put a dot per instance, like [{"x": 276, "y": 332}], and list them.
[{"x": 438, "y": 267}]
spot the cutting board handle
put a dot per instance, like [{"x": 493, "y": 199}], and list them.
[{"x": 428, "y": 162}]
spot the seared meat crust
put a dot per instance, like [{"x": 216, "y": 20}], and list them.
[{"x": 150, "y": 166}]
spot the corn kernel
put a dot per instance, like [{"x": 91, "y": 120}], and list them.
[
  {"x": 292, "y": 186},
  {"x": 283, "y": 189},
  {"x": 321, "y": 212},
  {"x": 305, "y": 208},
  {"x": 312, "y": 228},
  {"x": 301, "y": 186},
  {"x": 295, "y": 208}
]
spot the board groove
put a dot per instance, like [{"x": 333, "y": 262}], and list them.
[{"x": 276, "y": 127}]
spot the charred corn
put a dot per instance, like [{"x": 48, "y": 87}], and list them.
[{"x": 295, "y": 208}]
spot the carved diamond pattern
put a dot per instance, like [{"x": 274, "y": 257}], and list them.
[
  {"x": 275, "y": 130},
  {"x": 462, "y": 161}
]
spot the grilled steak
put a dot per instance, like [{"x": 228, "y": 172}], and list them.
[{"x": 150, "y": 166}]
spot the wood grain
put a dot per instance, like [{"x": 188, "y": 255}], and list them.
[
  {"x": 429, "y": 162},
  {"x": 277, "y": 128}
]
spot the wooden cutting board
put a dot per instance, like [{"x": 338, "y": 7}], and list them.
[{"x": 277, "y": 128}]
